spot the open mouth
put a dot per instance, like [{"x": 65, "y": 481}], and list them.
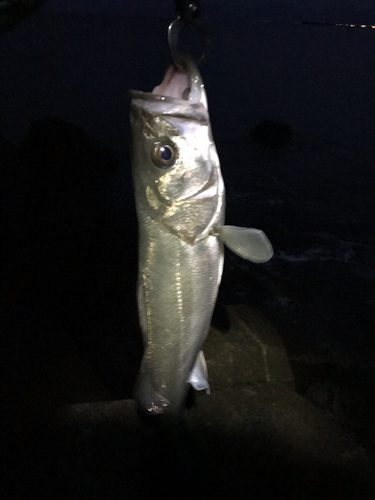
[
  {"x": 180, "y": 95},
  {"x": 176, "y": 83},
  {"x": 182, "y": 83}
]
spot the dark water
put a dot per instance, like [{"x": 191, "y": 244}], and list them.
[{"x": 68, "y": 210}]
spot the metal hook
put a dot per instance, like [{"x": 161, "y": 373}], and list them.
[
  {"x": 188, "y": 14},
  {"x": 188, "y": 10}
]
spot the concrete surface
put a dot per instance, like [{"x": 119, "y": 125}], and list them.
[{"x": 254, "y": 436}]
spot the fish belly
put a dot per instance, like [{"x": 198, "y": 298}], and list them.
[{"x": 178, "y": 285}]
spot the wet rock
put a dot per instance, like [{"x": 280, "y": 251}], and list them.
[
  {"x": 248, "y": 351},
  {"x": 272, "y": 134},
  {"x": 227, "y": 444},
  {"x": 251, "y": 427},
  {"x": 346, "y": 392},
  {"x": 272, "y": 424}
]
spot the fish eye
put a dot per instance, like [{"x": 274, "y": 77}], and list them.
[{"x": 164, "y": 154}]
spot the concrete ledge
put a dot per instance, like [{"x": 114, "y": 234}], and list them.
[
  {"x": 262, "y": 440},
  {"x": 249, "y": 351},
  {"x": 251, "y": 437}
]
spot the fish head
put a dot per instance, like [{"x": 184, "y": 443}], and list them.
[{"x": 175, "y": 165}]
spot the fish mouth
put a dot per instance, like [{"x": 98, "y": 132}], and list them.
[
  {"x": 182, "y": 83},
  {"x": 181, "y": 86}
]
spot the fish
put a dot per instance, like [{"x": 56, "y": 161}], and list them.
[{"x": 180, "y": 203}]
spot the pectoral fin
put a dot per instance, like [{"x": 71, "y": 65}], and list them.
[
  {"x": 250, "y": 244},
  {"x": 199, "y": 376}
]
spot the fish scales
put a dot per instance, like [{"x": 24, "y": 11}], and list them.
[
  {"x": 179, "y": 302},
  {"x": 180, "y": 201},
  {"x": 180, "y": 263}
]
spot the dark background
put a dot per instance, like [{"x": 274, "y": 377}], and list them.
[{"x": 69, "y": 235}]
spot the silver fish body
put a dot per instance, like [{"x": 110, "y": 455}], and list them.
[{"x": 179, "y": 196}]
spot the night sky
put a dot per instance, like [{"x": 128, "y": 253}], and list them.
[{"x": 273, "y": 9}]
